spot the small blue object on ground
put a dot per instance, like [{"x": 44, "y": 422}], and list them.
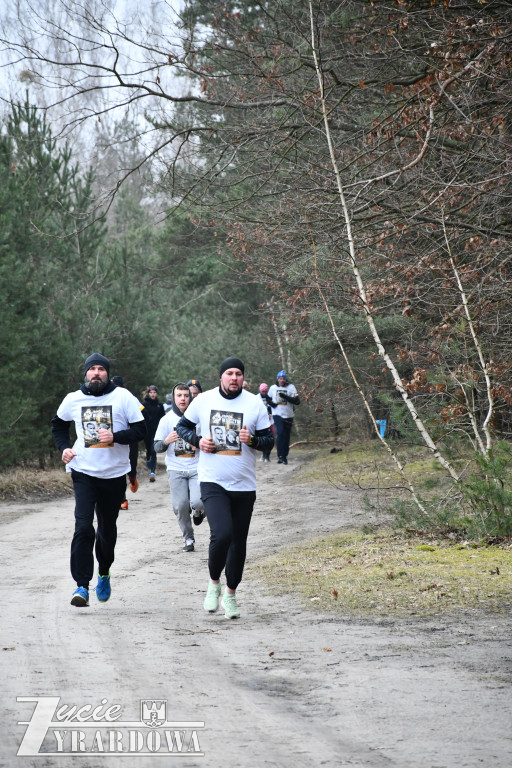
[{"x": 381, "y": 423}]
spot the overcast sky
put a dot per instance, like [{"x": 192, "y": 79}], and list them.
[{"x": 137, "y": 17}]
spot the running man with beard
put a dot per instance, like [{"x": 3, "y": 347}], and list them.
[{"x": 98, "y": 462}]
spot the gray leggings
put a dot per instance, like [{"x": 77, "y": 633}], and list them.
[{"x": 185, "y": 496}]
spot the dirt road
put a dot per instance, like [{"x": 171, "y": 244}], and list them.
[{"x": 278, "y": 687}]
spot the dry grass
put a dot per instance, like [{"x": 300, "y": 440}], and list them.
[
  {"x": 24, "y": 483},
  {"x": 383, "y": 574},
  {"x": 368, "y": 467}
]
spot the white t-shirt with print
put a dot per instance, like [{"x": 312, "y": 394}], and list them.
[
  {"x": 179, "y": 455},
  {"x": 284, "y": 408},
  {"x": 115, "y": 410},
  {"x": 233, "y": 465}
]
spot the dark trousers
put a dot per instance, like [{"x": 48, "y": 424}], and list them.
[
  {"x": 266, "y": 454},
  {"x": 150, "y": 451},
  {"x": 229, "y": 517},
  {"x": 94, "y": 494},
  {"x": 283, "y": 429}
]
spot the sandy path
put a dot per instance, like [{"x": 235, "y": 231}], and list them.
[{"x": 389, "y": 693}]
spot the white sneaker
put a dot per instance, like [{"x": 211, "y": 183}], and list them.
[
  {"x": 211, "y": 601},
  {"x": 231, "y": 610}
]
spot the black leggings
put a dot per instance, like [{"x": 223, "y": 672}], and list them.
[
  {"x": 150, "y": 451},
  {"x": 229, "y": 517}
]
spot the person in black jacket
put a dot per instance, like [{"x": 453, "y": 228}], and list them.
[
  {"x": 98, "y": 462},
  {"x": 153, "y": 411}
]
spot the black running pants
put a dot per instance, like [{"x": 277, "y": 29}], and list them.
[
  {"x": 229, "y": 517},
  {"x": 94, "y": 494}
]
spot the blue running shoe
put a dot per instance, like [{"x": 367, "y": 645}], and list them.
[
  {"x": 80, "y": 597},
  {"x": 103, "y": 589}
]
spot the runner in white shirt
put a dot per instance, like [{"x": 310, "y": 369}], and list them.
[
  {"x": 106, "y": 419},
  {"x": 282, "y": 397},
  {"x": 233, "y": 425},
  {"x": 181, "y": 460}
]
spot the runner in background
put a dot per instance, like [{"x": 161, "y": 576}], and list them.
[
  {"x": 195, "y": 387},
  {"x": 181, "y": 460},
  {"x": 282, "y": 397},
  {"x": 153, "y": 411}
]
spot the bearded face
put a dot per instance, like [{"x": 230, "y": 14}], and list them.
[{"x": 96, "y": 379}]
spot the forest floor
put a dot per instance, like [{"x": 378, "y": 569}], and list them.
[{"x": 281, "y": 686}]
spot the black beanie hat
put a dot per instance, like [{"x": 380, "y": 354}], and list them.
[
  {"x": 118, "y": 381},
  {"x": 97, "y": 359},
  {"x": 194, "y": 383},
  {"x": 231, "y": 362}
]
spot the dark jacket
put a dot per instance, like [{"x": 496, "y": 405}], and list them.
[{"x": 153, "y": 411}]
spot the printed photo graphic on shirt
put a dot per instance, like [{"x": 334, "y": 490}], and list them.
[
  {"x": 183, "y": 450},
  {"x": 280, "y": 399},
  {"x": 94, "y": 419},
  {"x": 225, "y": 429}
]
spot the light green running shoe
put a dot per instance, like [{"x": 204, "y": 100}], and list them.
[
  {"x": 231, "y": 610},
  {"x": 211, "y": 601}
]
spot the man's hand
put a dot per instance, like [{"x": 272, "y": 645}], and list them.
[
  {"x": 67, "y": 455},
  {"x": 245, "y": 435},
  {"x": 207, "y": 444},
  {"x": 133, "y": 484},
  {"x": 172, "y": 437},
  {"x": 105, "y": 436}
]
